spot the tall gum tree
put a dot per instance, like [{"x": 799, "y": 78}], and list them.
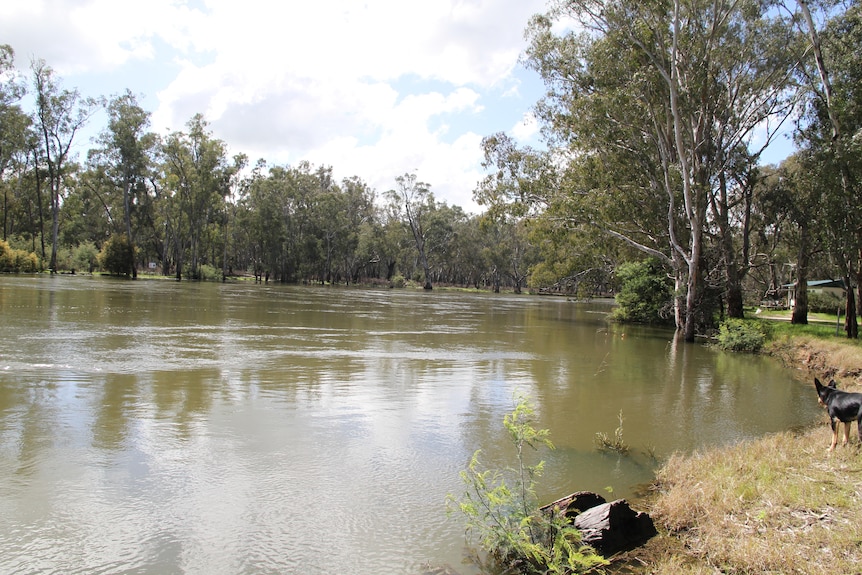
[
  {"x": 126, "y": 155},
  {"x": 413, "y": 200},
  {"x": 60, "y": 115},
  {"x": 831, "y": 127},
  {"x": 14, "y": 124},
  {"x": 653, "y": 105}
]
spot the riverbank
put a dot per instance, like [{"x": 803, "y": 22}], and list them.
[{"x": 781, "y": 504}]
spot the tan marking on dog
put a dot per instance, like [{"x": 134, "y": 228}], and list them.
[{"x": 834, "y": 425}]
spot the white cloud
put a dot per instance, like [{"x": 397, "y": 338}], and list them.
[
  {"x": 526, "y": 130},
  {"x": 374, "y": 89}
]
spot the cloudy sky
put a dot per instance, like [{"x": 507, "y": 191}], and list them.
[{"x": 373, "y": 88}]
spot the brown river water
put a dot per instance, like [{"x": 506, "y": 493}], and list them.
[{"x": 159, "y": 427}]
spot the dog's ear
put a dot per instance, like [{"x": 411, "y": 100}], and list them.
[
  {"x": 833, "y": 384},
  {"x": 817, "y": 383}
]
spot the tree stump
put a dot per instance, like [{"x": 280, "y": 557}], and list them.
[
  {"x": 607, "y": 527},
  {"x": 613, "y": 527}
]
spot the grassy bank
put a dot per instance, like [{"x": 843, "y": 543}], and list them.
[{"x": 781, "y": 504}]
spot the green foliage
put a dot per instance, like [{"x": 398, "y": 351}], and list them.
[
  {"x": 645, "y": 294},
  {"x": 85, "y": 257},
  {"x": 502, "y": 510},
  {"x": 17, "y": 261},
  {"x": 743, "y": 335},
  {"x": 118, "y": 255},
  {"x": 825, "y": 302},
  {"x": 209, "y": 273},
  {"x": 398, "y": 281}
]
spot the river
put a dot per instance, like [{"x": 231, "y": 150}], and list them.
[{"x": 159, "y": 427}]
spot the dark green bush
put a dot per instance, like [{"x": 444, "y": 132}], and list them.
[
  {"x": 646, "y": 293},
  {"x": 118, "y": 255},
  {"x": 825, "y": 302}
]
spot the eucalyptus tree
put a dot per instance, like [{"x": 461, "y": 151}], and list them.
[
  {"x": 412, "y": 201},
  {"x": 360, "y": 219},
  {"x": 125, "y": 158},
  {"x": 791, "y": 208},
  {"x": 237, "y": 187},
  {"x": 14, "y": 127},
  {"x": 551, "y": 249},
  {"x": 196, "y": 179},
  {"x": 442, "y": 225},
  {"x": 830, "y": 130},
  {"x": 651, "y": 105},
  {"x": 281, "y": 211},
  {"x": 59, "y": 116},
  {"x": 87, "y": 218}
]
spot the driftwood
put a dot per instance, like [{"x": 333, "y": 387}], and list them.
[{"x": 607, "y": 527}]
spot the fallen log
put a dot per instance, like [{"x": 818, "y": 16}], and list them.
[
  {"x": 576, "y": 503},
  {"x": 607, "y": 527}
]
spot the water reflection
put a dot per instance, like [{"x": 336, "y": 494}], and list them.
[{"x": 200, "y": 428}]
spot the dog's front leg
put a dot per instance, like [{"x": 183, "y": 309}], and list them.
[{"x": 834, "y": 425}]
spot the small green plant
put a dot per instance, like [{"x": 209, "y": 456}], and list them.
[
  {"x": 616, "y": 443},
  {"x": 398, "y": 281},
  {"x": 503, "y": 514},
  {"x": 743, "y": 335}
]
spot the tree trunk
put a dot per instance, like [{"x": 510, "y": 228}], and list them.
[
  {"x": 692, "y": 290},
  {"x": 850, "y": 325},
  {"x": 55, "y": 224},
  {"x": 800, "y": 306},
  {"x": 735, "y": 306}
]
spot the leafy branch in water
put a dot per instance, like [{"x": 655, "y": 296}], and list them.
[
  {"x": 503, "y": 514},
  {"x": 615, "y": 443}
]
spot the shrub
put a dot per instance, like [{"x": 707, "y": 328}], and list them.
[
  {"x": 502, "y": 511},
  {"x": 85, "y": 257},
  {"x": 825, "y": 302},
  {"x": 398, "y": 281},
  {"x": 743, "y": 335},
  {"x": 118, "y": 255},
  {"x": 209, "y": 273},
  {"x": 645, "y": 294},
  {"x": 17, "y": 261}
]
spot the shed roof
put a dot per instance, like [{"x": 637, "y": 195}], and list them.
[{"x": 820, "y": 284}]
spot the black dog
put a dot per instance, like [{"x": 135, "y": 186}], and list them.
[{"x": 842, "y": 406}]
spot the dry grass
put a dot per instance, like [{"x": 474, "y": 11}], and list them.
[
  {"x": 779, "y": 505},
  {"x": 838, "y": 358}
]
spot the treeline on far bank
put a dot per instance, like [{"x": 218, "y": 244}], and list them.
[{"x": 650, "y": 153}]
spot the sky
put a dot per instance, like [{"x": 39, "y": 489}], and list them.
[{"x": 372, "y": 88}]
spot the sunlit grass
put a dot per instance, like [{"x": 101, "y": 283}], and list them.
[
  {"x": 780, "y": 504},
  {"x": 777, "y": 505}
]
